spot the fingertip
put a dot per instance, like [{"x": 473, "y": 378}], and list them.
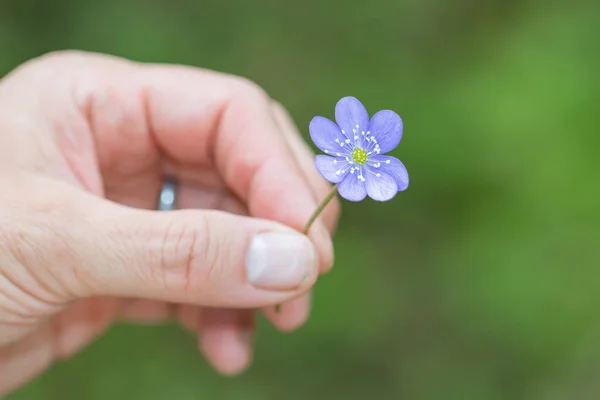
[
  {"x": 229, "y": 352},
  {"x": 291, "y": 315},
  {"x": 226, "y": 340}
]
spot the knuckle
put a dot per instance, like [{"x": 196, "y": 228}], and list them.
[
  {"x": 47, "y": 70},
  {"x": 60, "y": 56},
  {"x": 49, "y": 62},
  {"x": 63, "y": 65},
  {"x": 189, "y": 254},
  {"x": 279, "y": 109},
  {"x": 251, "y": 91},
  {"x": 174, "y": 249}
]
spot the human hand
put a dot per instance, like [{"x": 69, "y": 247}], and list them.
[{"x": 85, "y": 143}]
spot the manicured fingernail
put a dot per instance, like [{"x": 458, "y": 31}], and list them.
[{"x": 280, "y": 261}]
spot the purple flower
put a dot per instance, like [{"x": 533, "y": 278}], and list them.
[{"x": 355, "y": 149}]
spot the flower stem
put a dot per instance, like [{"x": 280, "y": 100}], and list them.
[
  {"x": 312, "y": 219},
  {"x": 320, "y": 209}
]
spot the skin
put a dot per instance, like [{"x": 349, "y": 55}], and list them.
[{"x": 85, "y": 143}]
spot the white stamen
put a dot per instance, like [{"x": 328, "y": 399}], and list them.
[
  {"x": 338, "y": 154},
  {"x": 347, "y": 140},
  {"x": 335, "y": 161},
  {"x": 378, "y": 174},
  {"x": 326, "y": 151},
  {"x": 357, "y": 126},
  {"x": 387, "y": 161},
  {"x": 355, "y": 137},
  {"x": 354, "y": 130}
]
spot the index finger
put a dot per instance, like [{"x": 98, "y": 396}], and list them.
[
  {"x": 141, "y": 113},
  {"x": 195, "y": 117},
  {"x": 196, "y": 114}
]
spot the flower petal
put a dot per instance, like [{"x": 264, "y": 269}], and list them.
[
  {"x": 350, "y": 112},
  {"x": 386, "y": 127},
  {"x": 380, "y": 186},
  {"x": 329, "y": 166},
  {"x": 351, "y": 188},
  {"x": 324, "y": 133},
  {"x": 393, "y": 167}
]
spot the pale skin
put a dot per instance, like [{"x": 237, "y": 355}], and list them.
[{"x": 85, "y": 143}]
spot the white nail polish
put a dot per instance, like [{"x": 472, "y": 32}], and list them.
[{"x": 280, "y": 261}]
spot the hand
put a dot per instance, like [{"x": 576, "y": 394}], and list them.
[{"x": 85, "y": 143}]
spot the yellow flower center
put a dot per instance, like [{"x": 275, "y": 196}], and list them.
[{"x": 359, "y": 155}]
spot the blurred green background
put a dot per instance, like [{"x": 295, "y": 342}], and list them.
[{"x": 478, "y": 282}]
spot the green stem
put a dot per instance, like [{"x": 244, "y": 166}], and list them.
[
  {"x": 312, "y": 219},
  {"x": 320, "y": 209}
]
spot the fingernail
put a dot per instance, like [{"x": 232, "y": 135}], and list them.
[{"x": 280, "y": 261}]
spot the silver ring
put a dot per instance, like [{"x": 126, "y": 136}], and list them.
[{"x": 167, "y": 200}]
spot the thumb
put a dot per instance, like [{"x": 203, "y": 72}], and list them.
[{"x": 208, "y": 258}]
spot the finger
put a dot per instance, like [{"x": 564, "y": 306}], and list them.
[
  {"x": 160, "y": 312},
  {"x": 209, "y": 258},
  {"x": 146, "y": 311},
  {"x": 26, "y": 359},
  {"x": 203, "y": 190},
  {"x": 194, "y": 197},
  {"x": 75, "y": 327},
  {"x": 305, "y": 159},
  {"x": 140, "y": 114},
  {"x": 58, "y": 338},
  {"x": 242, "y": 139},
  {"x": 189, "y": 195},
  {"x": 212, "y": 196},
  {"x": 225, "y": 338},
  {"x": 190, "y": 317},
  {"x": 227, "y": 347},
  {"x": 290, "y": 315}
]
